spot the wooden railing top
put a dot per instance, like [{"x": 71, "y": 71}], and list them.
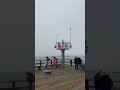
[{"x": 10, "y": 81}]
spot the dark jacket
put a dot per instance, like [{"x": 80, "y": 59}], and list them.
[
  {"x": 105, "y": 83},
  {"x": 79, "y": 61},
  {"x": 96, "y": 80},
  {"x": 75, "y": 60}
]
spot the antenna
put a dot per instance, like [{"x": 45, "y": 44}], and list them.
[
  {"x": 56, "y": 41},
  {"x": 70, "y": 30},
  {"x": 57, "y": 38},
  {"x": 70, "y": 34}
]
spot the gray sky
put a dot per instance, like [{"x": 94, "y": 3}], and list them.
[{"x": 50, "y": 19}]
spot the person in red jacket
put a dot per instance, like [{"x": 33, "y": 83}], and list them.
[
  {"x": 55, "y": 62},
  {"x": 71, "y": 62}
]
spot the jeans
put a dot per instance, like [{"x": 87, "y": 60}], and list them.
[
  {"x": 76, "y": 67},
  {"x": 79, "y": 66}
]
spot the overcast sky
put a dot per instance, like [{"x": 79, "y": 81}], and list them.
[{"x": 50, "y": 19}]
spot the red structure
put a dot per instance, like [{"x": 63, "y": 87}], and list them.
[{"x": 59, "y": 46}]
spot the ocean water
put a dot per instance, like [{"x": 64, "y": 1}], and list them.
[{"x": 67, "y": 58}]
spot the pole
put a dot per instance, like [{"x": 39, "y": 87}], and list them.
[
  {"x": 63, "y": 58},
  {"x": 63, "y": 54},
  {"x": 70, "y": 34}
]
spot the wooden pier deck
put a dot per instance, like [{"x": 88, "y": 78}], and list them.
[{"x": 60, "y": 79}]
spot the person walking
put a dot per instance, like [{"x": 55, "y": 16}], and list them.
[{"x": 75, "y": 61}]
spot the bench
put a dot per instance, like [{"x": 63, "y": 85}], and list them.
[{"x": 47, "y": 72}]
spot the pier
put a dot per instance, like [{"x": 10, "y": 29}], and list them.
[{"x": 60, "y": 79}]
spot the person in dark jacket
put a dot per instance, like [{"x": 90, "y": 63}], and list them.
[
  {"x": 96, "y": 79},
  {"x": 104, "y": 82},
  {"x": 47, "y": 59},
  {"x": 75, "y": 61},
  {"x": 79, "y": 62}
]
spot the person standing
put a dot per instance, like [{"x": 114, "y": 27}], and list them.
[
  {"x": 55, "y": 62},
  {"x": 79, "y": 62},
  {"x": 71, "y": 62},
  {"x": 103, "y": 81},
  {"x": 51, "y": 63},
  {"x": 47, "y": 59},
  {"x": 96, "y": 79},
  {"x": 75, "y": 61}
]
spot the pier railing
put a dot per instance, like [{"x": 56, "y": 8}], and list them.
[
  {"x": 116, "y": 83},
  {"x": 14, "y": 87},
  {"x": 90, "y": 82},
  {"x": 40, "y": 63}
]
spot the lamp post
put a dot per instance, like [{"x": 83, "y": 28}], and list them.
[{"x": 70, "y": 34}]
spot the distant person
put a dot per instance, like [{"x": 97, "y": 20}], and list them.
[
  {"x": 104, "y": 82},
  {"x": 51, "y": 63},
  {"x": 71, "y": 62},
  {"x": 55, "y": 62},
  {"x": 75, "y": 61},
  {"x": 79, "y": 62},
  {"x": 47, "y": 59}
]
